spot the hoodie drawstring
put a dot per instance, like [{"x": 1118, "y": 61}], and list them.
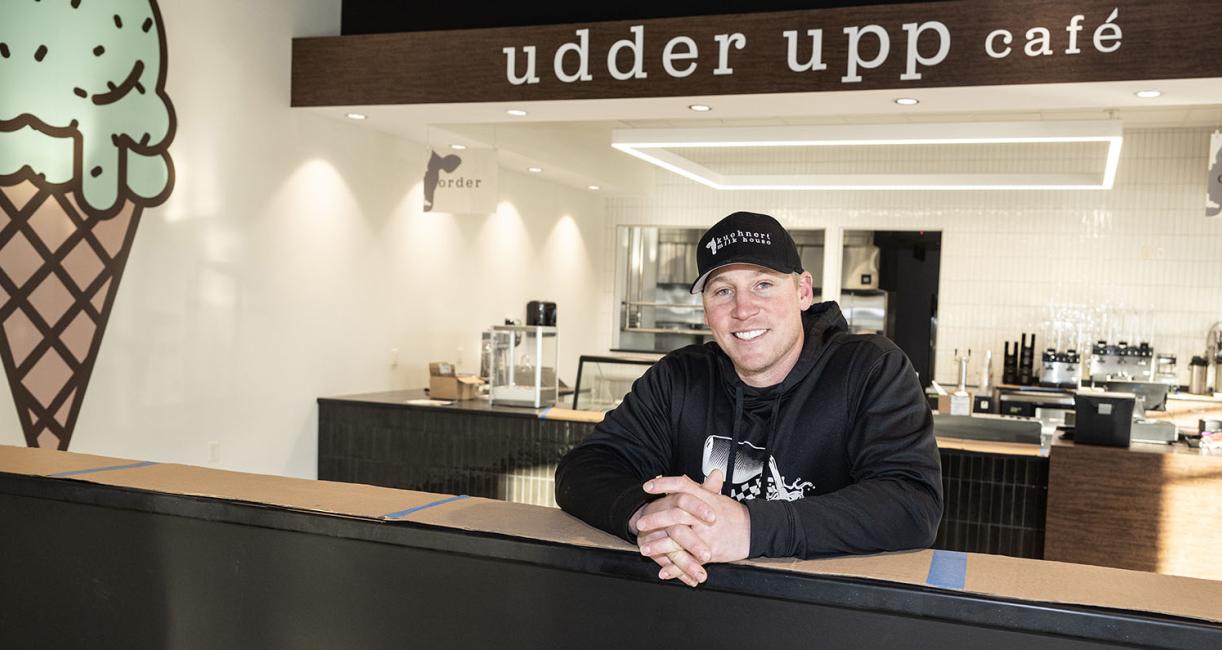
[
  {"x": 769, "y": 438},
  {"x": 736, "y": 432}
]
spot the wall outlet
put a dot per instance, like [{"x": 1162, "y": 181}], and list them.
[
  {"x": 214, "y": 452},
  {"x": 394, "y": 357}
]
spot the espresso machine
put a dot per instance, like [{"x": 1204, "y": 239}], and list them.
[
  {"x": 1121, "y": 362},
  {"x": 1060, "y": 369}
]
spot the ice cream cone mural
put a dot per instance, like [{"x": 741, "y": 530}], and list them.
[{"x": 85, "y": 127}]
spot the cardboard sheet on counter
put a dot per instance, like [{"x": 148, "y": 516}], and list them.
[
  {"x": 41, "y": 462},
  {"x": 519, "y": 520},
  {"x": 1006, "y": 577},
  {"x": 1041, "y": 580},
  {"x": 349, "y": 499},
  {"x": 908, "y": 567}
]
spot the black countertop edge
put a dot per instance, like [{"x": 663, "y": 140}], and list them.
[{"x": 1117, "y": 626}]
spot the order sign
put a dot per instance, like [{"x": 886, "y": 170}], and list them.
[{"x": 462, "y": 182}]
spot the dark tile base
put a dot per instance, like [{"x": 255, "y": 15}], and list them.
[
  {"x": 434, "y": 450},
  {"x": 994, "y": 503}
]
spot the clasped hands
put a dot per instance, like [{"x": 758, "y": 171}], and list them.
[{"x": 693, "y": 525}]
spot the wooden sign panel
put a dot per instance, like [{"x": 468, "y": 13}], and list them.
[{"x": 983, "y": 42}]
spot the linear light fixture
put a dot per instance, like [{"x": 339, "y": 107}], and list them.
[{"x": 653, "y": 145}]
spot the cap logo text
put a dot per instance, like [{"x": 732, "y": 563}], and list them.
[{"x": 719, "y": 242}]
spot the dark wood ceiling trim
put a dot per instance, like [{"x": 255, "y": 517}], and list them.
[{"x": 1170, "y": 39}]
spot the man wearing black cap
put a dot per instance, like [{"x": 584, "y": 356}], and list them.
[{"x": 828, "y": 433}]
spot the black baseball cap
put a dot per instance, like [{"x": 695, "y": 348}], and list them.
[{"x": 746, "y": 238}]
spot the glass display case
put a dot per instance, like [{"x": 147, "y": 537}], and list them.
[
  {"x": 523, "y": 365},
  {"x": 602, "y": 381}
]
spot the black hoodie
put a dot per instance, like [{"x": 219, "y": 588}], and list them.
[{"x": 838, "y": 458}]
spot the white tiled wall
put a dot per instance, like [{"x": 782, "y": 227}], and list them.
[{"x": 1139, "y": 260}]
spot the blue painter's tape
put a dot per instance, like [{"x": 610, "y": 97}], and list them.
[
  {"x": 543, "y": 415},
  {"x": 404, "y": 513},
  {"x": 108, "y": 468},
  {"x": 947, "y": 569}
]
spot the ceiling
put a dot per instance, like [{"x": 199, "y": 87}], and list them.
[{"x": 571, "y": 140}]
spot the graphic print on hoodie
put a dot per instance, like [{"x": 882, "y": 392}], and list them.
[{"x": 749, "y": 480}]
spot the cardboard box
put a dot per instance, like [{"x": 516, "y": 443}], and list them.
[
  {"x": 951, "y": 404},
  {"x": 444, "y": 383}
]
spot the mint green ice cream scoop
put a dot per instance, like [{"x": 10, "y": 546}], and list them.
[{"x": 83, "y": 104}]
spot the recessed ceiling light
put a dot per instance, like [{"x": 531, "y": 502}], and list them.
[
  {"x": 1148, "y": 94},
  {"x": 534, "y": 170},
  {"x": 593, "y": 187},
  {"x": 701, "y": 108},
  {"x": 458, "y": 147},
  {"x": 907, "y": 101},
  {"x": 516, "y": 112},
  {"x": 356, "y": 116}
]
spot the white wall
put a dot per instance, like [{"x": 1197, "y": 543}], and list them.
[
  {"x": 293, "y": 256},
  {"x": 1143, "y": 249},
  {"x": 461, "y": 274}
]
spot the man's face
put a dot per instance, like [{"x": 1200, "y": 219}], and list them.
[{"x": 755, "y": 315}]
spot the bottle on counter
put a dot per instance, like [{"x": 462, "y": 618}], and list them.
[
  {"x": 982, "y": 401},
  {"x": 961, "y": 400},
  {"x": 1198, "y": 371},
  {"x": 986, "y": 373}
]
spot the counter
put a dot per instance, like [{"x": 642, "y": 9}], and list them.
[
  {"x": 117, "y": 553},
  {"x": 1147, "y": 507},
  {"x": 995, "y": 493}
]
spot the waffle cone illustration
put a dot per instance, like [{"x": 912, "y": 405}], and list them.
[
  {"x": 84, "y": 137},
  {"x": 53, "y": 322}
]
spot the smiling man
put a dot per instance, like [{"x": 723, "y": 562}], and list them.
[{"x": 828, "y": 433}]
